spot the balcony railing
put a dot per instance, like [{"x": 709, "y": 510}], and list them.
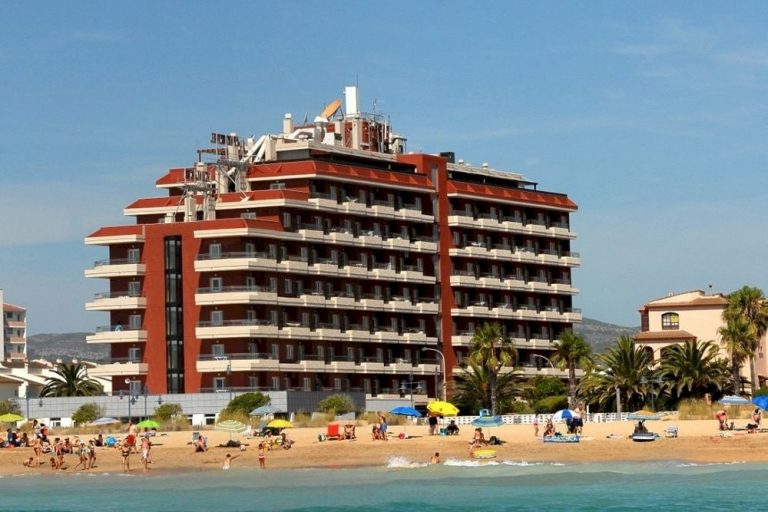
[
  {"x": 226, "y": 289},
  {"x": 228, "y": 255},
  {"x": 116, "y": 328},
  {"x": 115, "y": 295},
  {"x": 116, "y": 261},
  {"x": 234, "y": 323}
]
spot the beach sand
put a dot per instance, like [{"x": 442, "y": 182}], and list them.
[{"x": 698, "y": 441}]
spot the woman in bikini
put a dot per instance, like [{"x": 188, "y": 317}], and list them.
[{"x": 262, "y": 456}]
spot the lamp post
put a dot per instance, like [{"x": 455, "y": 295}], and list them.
[
  {"x": 645, "y": 381},
  {"x": 547, "y": 360},
  {"x": 130, "y": 399},
  {"x": 409, "y": 386},
  {"x": 442, "y": 363},
  {"x": 145, "y": 401},
  {"x": 229, "y": 377}
]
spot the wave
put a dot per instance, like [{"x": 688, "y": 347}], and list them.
[{"x": 404, "y": 463}]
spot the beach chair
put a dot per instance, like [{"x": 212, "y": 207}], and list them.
[
  {"x": 670, "y": 431},
  {"x": 333, "y": 431}
]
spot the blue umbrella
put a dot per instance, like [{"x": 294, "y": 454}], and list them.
[
  {"x": 761, "y": 401},
  {"x": 406, "y": 411},
  {"x": 104, "y": 421},
  {"x": 562, "y": 415},
  {"x": 734, "y": 400},
  {"x": 264, "y": 410},
  {"x": 487, "y": 421}
]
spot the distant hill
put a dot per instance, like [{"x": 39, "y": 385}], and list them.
[
  {"x": 72, "y": 345},
  {"x": 601, "y": 335},
  {"x": 65, "y": 346}
]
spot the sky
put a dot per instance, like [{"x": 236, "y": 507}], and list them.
[{"x": 651, "y": 116}]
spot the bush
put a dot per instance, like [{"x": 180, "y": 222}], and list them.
[
  {"x": 543, "y": 386},
  {"x": 167, "y": 412},
  {"x": 246, "y": 402},
  {"x": 87, "y": 413},
  {"x": 519, "y": 407},
  {"x": 760, "y": 392},
  {"x": 336, "y": 404},
  {"x": 9, "y": 406},
  {"x": 550, "y": 404}
]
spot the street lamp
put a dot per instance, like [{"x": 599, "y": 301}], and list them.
[
  {"x": 645, "y": 381},
  {"x": 547, "y": 360},
  {"x": 442, "y": 362},
  {"x": 229, "y": 377},
  {"x": 409, "y": 386},
  {"x": 130, "y": 398}
]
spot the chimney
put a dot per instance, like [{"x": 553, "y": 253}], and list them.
[{"x": 287, "y": 124}]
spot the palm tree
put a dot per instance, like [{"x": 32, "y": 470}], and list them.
[
  {"x": 749, "y": 305},
  {"x": 492, "y": 351},
  {"x": 693, "y": 369},
  {"x": 71, "y": 380},
  {"x": 473, "y": 388},
  {"x": 571, "y": 350},
  {"x": 622, "y": 368},
  {"x": 737, "y": 338}
]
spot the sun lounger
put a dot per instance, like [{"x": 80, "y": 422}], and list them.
[
  {"x": 332, "y": 432},
  {"x": 670, "y": 431}
]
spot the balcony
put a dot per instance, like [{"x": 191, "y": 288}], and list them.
[
  {"x": 16, "y": 340},
  {"x": 308, "y": 363},
  {"x": 124, "y": 267},
  {"x": 119, "y": 367},
  {"x": 109, "y": 301},
  {"x": 236, "y": 329},
  {"x": 249, "y": 260},
  {"x": 520, "y": 312},
  {"x": 511, "y": 282},
  {"x": 378, "y": 208},
  {"x": 117, "y": 334},
  {"x": 235, "y": 295},
  {"x": 509, "y": 225}
]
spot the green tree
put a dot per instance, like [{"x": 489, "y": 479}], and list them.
[
  {"x": 166, "y": 412},
  {"x": 622, "y": 367},
  {"x": 692, "y": 369},
  {"x": 86, "y": 413},
  {"x": 571, "y": 351},
  {"x": 246, "y": 402},
  {"x": 472, "y": 389},
  {"x": 749, "y": 305},
  {"x": 737, "y": 339},
  {"x": 336, "y": 404},
  {"x": 491, "y": 351},
  {"x": 544, "y": 386},
  {"x": 71, "y": 380},
  {"x": 9, "y": 406}
]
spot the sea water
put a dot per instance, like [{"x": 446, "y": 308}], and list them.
[{"x": 402, "y": 486}]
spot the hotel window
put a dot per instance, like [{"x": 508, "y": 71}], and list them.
[
  {"x": 275, "y": 383},
  {"x": 289, "y": 352},
  {"x": 134, "y": 322},
  {"x": 217, "y": 317},
  {"x": 134, "y": 354},
  {"x": 253, "y": 382},
  {"x": 216, "y": 283},
  {"x": 275, "y": 351},
  {"x": 250, "y": 249},
  {"x": 217, "y": 350},
  {"x": 134, "y": 289},
  {"x": 337, "y": 384},
  {"x": 133, "y": 255},
  {"x": 219, "y": 383},
  {"x": 135, "y": 387},
  {"x": 214, "y": 251},
  {"x": 307, "y": 384},
  {"x": 670, "y": 321}
]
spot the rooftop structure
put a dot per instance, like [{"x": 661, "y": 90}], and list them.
[{"x": 326, "y": 257}]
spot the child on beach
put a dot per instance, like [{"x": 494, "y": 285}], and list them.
[
  {"x": 146, "y": 446},
  {"x": 228, "y": 461},
  {"x": 125, "y": 452},
  {"x": 28, "y": 463},
  {"x": 262, "y": 456},
  {"x": 435, "y": 459}
]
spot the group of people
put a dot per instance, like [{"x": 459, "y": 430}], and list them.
[
  {"x": 379, "y": 429},
  {"x": 452, "y": 429},
  {"x": 723, "y": 423},
  {"x": 574, "y": 424},
  {"x": 129, "y": 445}
]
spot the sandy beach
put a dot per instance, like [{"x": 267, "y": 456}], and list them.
[{"x": 698, "y": 441}]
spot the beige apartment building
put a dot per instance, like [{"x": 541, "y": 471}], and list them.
[{"x": 689, "y": 316}]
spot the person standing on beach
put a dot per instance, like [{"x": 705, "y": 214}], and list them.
[
  {"x": 125, "y": 452},
  {"x": 37, "y": 447},
  {"x": 383, "y": 426},
  {"x": 262, "y": 457},
  {"x": 432, "y": 424},
  {"x": 536, "y": 426},
  {"x": 146, "y": 446}
]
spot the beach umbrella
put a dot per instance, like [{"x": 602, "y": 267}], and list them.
[
  {"x": 563, "y": 415},
  {"x": 10, "y": 418},
  {"x": 442, "y": 408},
  {"x": 408, "y": 412},
  {"x": 264, "y": 410},
  {"x": 148, "y": 424},
  {"x": 487, "y": 421},
  {"x": 761, "y": 401},
  {"x": 279, "y": 423},
  {"x": 103, "y": 421},
  {"x": 734, "y": 400},
  {"x": 231, "y": 426},
  {"x": 643, "y": 415}
]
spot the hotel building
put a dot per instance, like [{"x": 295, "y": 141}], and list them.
[
  {"x": 690, "y": 317},
  {"x": 13, "y": 338},
  {"x": 327, "y": 258}
]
